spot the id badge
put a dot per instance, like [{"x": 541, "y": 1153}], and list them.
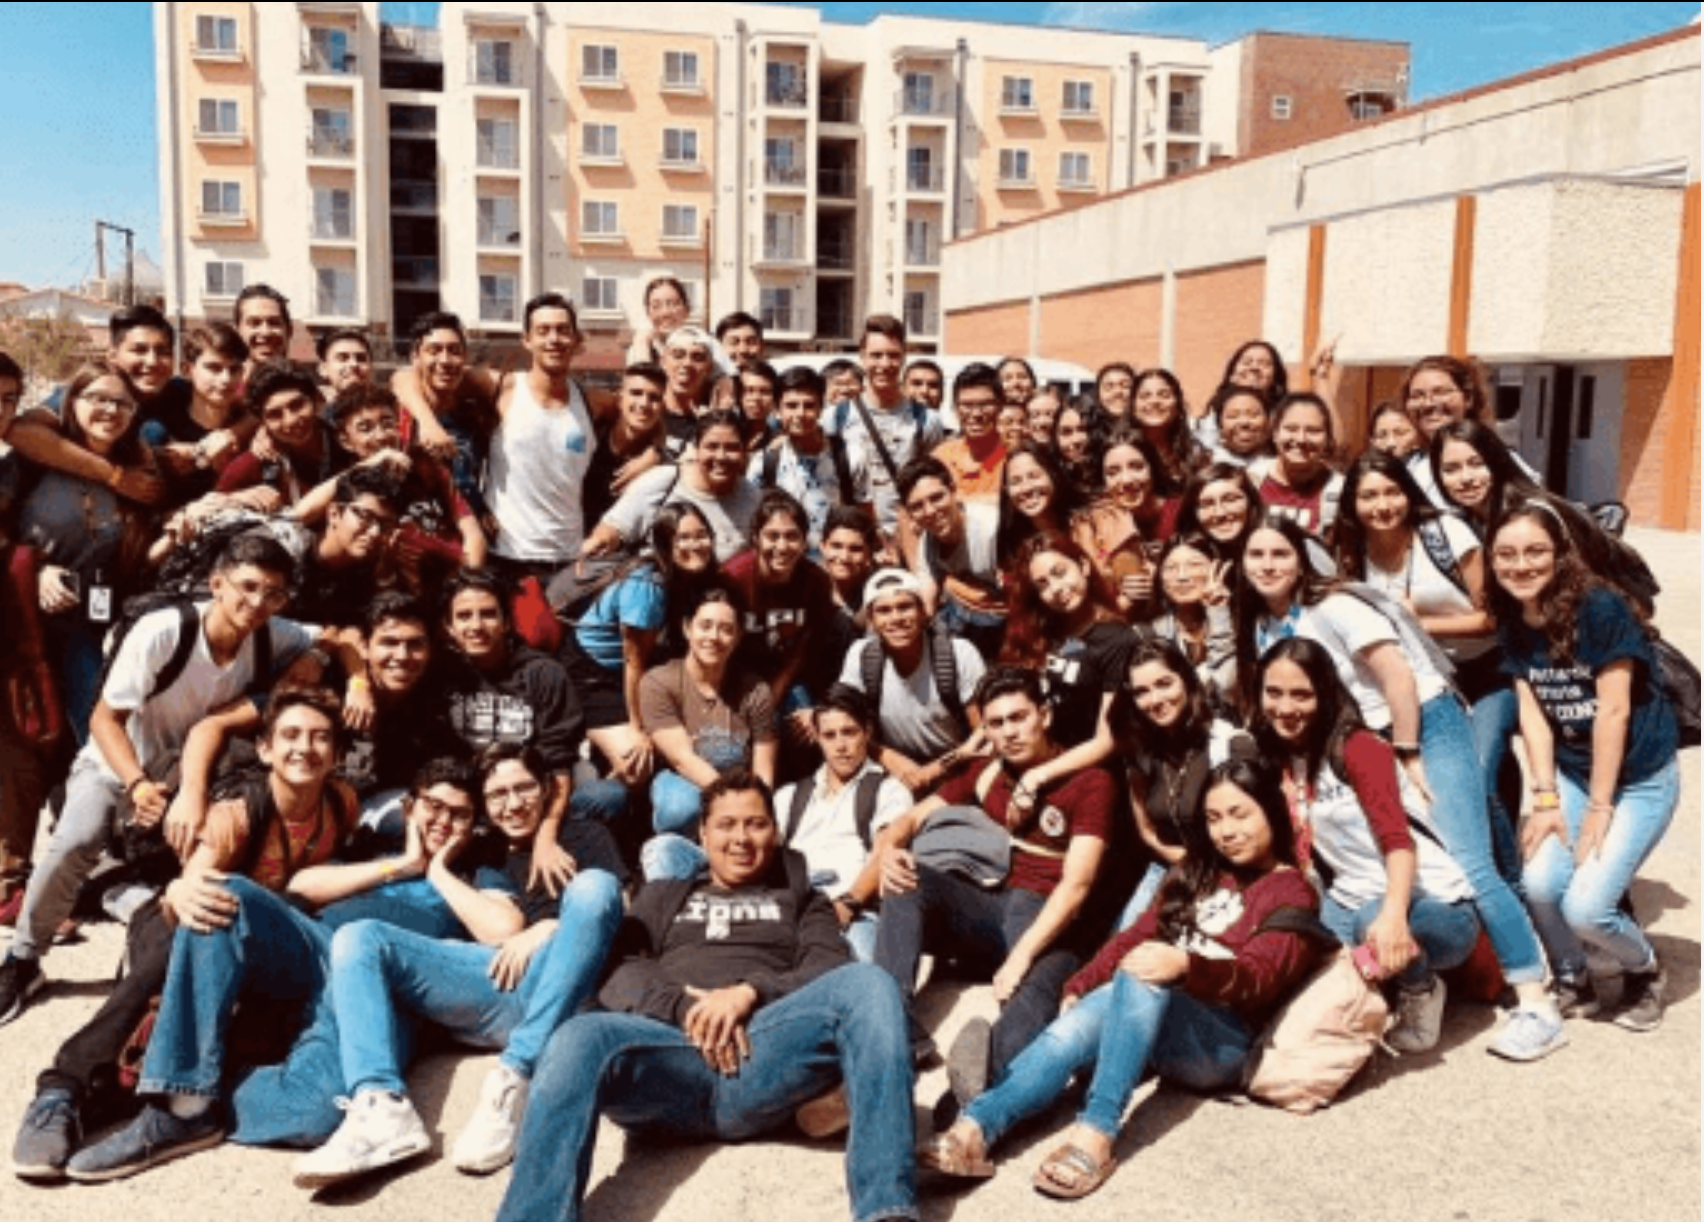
[{"x": 100, "y": 604}]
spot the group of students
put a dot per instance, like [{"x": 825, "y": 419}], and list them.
[{"x": 652, "y": 739}]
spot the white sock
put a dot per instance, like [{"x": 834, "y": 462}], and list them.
[{"x": 189, "y": 1107}]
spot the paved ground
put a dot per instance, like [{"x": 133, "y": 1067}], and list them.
[{"x": 1606, "y": 1129}]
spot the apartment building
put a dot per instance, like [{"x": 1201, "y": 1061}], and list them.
[{"x": 805, "y": 171}]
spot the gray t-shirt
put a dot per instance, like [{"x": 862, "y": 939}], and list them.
[
  {"x": 914, "y": 719},
  {"x": 729, "y": 516},
  {"x": 908, "y": 431},
  {"x": 974, "y": 560}
]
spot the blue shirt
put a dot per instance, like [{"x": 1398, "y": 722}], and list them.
[{"x": 637, "y": 601}]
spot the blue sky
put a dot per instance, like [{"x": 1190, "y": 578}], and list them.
[{"x": 77, "y": 91}]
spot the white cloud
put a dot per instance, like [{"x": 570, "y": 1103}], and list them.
[{"x": 1099, "y": 16}]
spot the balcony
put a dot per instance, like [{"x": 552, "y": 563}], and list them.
[
  {"x": 490, "y": 72},
  {"x": 416, "y": 198},
  {"x": 334, "y": 230},
  {"x": 837, "y": 108},
  {"x": 835, "y": 324},
  {"x": 925, "y": 321},
  {"x": 783, "y": 174},
  {"x": 234, "y": 219},
  {"x": 783, "y": 319},
  {"x": 497, "y": 157},
  {"x": 1183, "y": 120},
  {"x": 778, "y": 251},
  {"x": 611, "y": 81},
  {"x": 1080, "y": 114},
  {"x": 419, "y": 272},
  {"x": 1016, "y": 180},
  {"x": 789, "y": 96},
  {"x": 837, "y": 184},
  {"x": 1076, "y": 185},
  {"x": 912, "y": 104},
  {"x": 221, "y": 135},
  {"x": 680, "y": 165},
  {"x": 498, "y": 237},
  {"x": 923, "y": 252},
  {"x": 836, "y": 256},
  {"x": 922, "y": 180},
  {"x": 323, "y": 61},
  {"x": 331, "y": 146}
]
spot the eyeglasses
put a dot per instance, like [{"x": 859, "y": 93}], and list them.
[
  {"x": 436, "y": 810},
  {"x": 1422, "y": 398},
  {"x": 118, "y": 407},
  {"x": 1175, "y": 568},
  {"x": 526, "y": 791},
  {"x": 1536, "y": 554},
  {"x": 368, "y": 521},
  {"x": 259, "y": 592}
]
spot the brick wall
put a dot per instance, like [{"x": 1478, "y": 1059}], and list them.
[
  {"x": 1313, "y": 73},
  {"x": 1642, "y": 427},
  {"x": 1217, "y": 310},
  {"x": 1001, "y": 328},
  {"x": 1120, "y": 322}
]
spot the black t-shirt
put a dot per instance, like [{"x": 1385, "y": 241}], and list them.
[
  {"x": 333, "y": 596},
  {"x": 597, "y": 493},
  {"x": 530, "y": 700},
  {"x": 1080, "y": 672},
  {"x": 591, "y": 846}
]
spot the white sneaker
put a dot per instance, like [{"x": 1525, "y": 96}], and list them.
[
  {"x": 1419, "y": 1018},
  {"x": 379, "y": 1129},
  {"x": 488, "y": 1142}
]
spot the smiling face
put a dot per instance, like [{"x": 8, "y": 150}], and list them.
[
  {"x": 291, "y": 418},
  {"x": 1061, "y": 584},
  {"x": 1435, "y": 400},
  {"x": 514, "y": 800},
  {"x": 1380, "y": 504},
  {"x": 552, "y": 339},
  {"x": 935, "y": 509},
  {"x": 104, "y": 411},
  {"x": 302, "y": 748},
  {"x": 641, "y": 404},
  {"x": 923, "y": 385},
  {"x": 1012, "y": 424},
  {"x": 347, "y": 363},
  {"x": 1396, "y": 435},
  {"x": 1071, "y": 436},
  {"x": 247, "y": 596},
  {"x": 1464, "y": 476},
  {"x": 1128, "y": 477},
  {"x": 743, "y": 345},
  {"x": 898, "y": 620},
  {"x": 1523, "y": 561},
  {"x": 694, "y": 548},
  {"x": 1255, "y": 368},
  {"x": 780, "y": 547},
  {"x": 847, "y": 384},
  {"x": 883, "y": 357},
  {"x": 1115, "y": 390},
  {"x": 712, "y": 633},
  {"x": 1288, "y": 700},
  {"x": 846, "y": 556},
  {"x": 397, "y": 654},
  {"x": 1043, "y": 411},
  {"x": 1017, "y": 728},
  {"x": 476, "y": 624},
  {"x": 263, "y": 328},
  {"x": 1156, "y": 403},
  {"x": 665, "y": 308},
  {"x": 440, "y": 814},
  {"x": 1238, "y": 828},
  {"x": 144, "y": 356},
  {"x": 1302, "y": 438},
  {"x": 361, "y": 528},
  {"x": 366, "y": 432},
  {"x": 441, "y": 360},
  {"x": 1272, "y": 568},
  {"x": 801, "y": 414},
  {"x": 688, "y": 367},
  {"x": 757, "y": 397},
  {"x": 722, "y": 458},
  {"x": 1016, "y": 384},
  {"x": 1245, "y": 426},
  {"x": 977, "y": 407},
  {"x": 1223, "y": 509},
  {"x": 1159, "y": 694},
  {"x": 1185, "y": 575},
  {"x": 739, "y": 837},
  {"x": 1028, "y": 485}
]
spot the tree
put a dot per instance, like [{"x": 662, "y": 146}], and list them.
[{"x": 49, "y": 349}]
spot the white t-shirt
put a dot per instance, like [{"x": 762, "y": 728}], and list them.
[
  {"x": 159, "y": 726},
  {"x": 827, "y": 831},
  {"x": 1345, "y": 625},
  {"x": 729, "y": 516},
  {"x": 1344, "y": 840},
  {"x": 914, "y": 720},
  {"x": 975, "y": 559},
  {"x": 534, "y": 475},
  {"x": 1429, "y": 589},
  {"x": 815, "y": 481},
  {"x": 904, "y": 438}
]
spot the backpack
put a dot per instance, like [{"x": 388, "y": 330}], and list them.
[
  {"x": 1322, "y": 1036},
  {"x": 919, "y": 417},
  {"x": 836, "y": 454},
  {"x": 572, "y": 592},
  {"x": 863, "y": 806},
  {"x": 1677, "y": 678},
  {"x": 938, "y": 651}
]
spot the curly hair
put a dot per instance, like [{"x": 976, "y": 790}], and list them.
[
  {"x": 1179, "y": 453},
  {"x": 1014, "y": 527},
  {"x": 1030, "y": 624}
]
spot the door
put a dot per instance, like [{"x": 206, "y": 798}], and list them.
[{"x": 1594, "y": 446}]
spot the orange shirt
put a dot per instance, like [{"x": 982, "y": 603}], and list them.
[{"x": 977, "y": 481}]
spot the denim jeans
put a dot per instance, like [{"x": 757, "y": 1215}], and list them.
[
  {"x": 1142, "y": 898},
  {"x": 1123, "y": 1029},
  {"x": 1578, "y": 906},
  {"x": 1446, "y": 933},
  {"x": 675, "y": 801},
  {"x": 846, "y": 1026},
  {"x": 92, "y": 803},
  {"x": 602, "y": 801},
  {"x": 951, "y": 913},
  {"x": 1495, "y": 717},
  {"x": 983, "y": 629},
  {"x": 378, "y": 970},
  {"x": 76, "y": 646},
  {"x": 1462, "y": 816}
]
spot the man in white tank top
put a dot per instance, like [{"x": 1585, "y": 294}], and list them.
[{"x": 541, "y": 449}]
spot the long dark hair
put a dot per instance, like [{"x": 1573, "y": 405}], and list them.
[
  {"x": 1507, "y": 477},
  {"x": 1280, "y": 376},
  {"x": 1142, "y": 740},
  {"x": 1014, "y": 527},
  {"x": 1249, "y": 608},
  {"x": 1189, "y": 512},
  {"x": 1030, "y": 625},
  {"x": 680, "y": 587},
  {"x": 1084, "y": 474},
  {"x": 1179, "y": 454},
  {"x": 1350, "y": 534},
  {"x": 1198, "y": 875},
  {"x": 1335, "y": 718}
]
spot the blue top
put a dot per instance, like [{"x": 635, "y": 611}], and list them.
[
  {"x": 637, "y": 601},
  {"x": 1606, "y": 632}
]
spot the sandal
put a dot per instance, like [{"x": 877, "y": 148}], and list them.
[
  {"x": 1087, "y": 1174},
  {"x": 950, "y": 1154}
]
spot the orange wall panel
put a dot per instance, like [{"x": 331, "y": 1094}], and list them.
[
  {"x": 1217, "y": 310},
  {"x": 1120, "y": 322},
  {"x": 1002, "y": 329},
  {"x": 1644, "y": 389}
]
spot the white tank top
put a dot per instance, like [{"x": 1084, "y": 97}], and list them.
[{"x": 535, "y": 473}]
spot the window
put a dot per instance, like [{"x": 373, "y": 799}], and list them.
[
  {"x": 1014, "y": 166},
  {"x": 496, "y": 298},
  {"x": 598, "y": 295},
  {"x": 1017, "y": 93},
  {"x": 328, "y": 51},
  {"x": 216, "y": 35},
  {"x": 600, "y": 142},
  {"x": 775, "y": 310},
  {"x": 1281, "y": 106},
  {"x": 1075, "y": 170},
  {"x": 499, "y": 220},
  {"x": 599, "y": 219},
  {"x": 333, "y": 213},
  {"x": 494, "y": 62},
  {"x": 1079, "y": 98},
  {"x": 599, "y": 63},
  {"x": 680, "y": 70},
  {"x": 920, "y": 174},
  {"x": 332, "y": 134},
  {"x": 1366, "y": 106},
  {"x": 222, "y": 200},
  {"x": 217, "y": 117},
  {"x": 1584, "y": 408},
  {"x": 781, "y": 166},
  {"x": 498, "y": 144},
  {"x": 921, "y": 249},
  {"x": 918, "y": 97},
  {"x": 784, "y": 84},
  {"x": 680, "y": 223},
  {"x": 224, "y": 280},
  {"x": 680, "y": 146},
  {"x": 919, "y": 318},
  {"x": 780, "y": 235},
  {"x": 334, "y": 292}
]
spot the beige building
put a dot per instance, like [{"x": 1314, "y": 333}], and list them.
[{"x": 805, "y": 171}]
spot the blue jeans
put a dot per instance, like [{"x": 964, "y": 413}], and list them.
[
  {"x": 951, "y": 913},
  {"x": 1122, "y": 1029},
  {"x": 93, "y": 803},
  {"x": 1461, "y": 813},
  {"x": 675, "y": 801},
  {"x": 846, "y": 1026},
  {"x": 378, "y": 969},
  {"x": 1445, "y": 933},
  {"x": 1142, "y": 898},
  {"x": 603, "y": 801},
  {"x": 1495, "y": 717},
  {"x": 1578, "y": 906}
]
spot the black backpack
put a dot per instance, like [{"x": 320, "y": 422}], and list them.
[
  {"x": 863, "y": 805},
  {"x": 938, "y": 646},
  {"x": 836, "y": 454}
]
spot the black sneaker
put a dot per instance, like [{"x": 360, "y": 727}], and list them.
[
  {"x": 20, "y": 980},
  {"x": 154, "y": 1137},
  {"x": 967, "y": 1059},
  {"x": 49, "y": 1129},
  {"x": 1641, "y": 1006},
  {"x": 1577, "y": 997}
]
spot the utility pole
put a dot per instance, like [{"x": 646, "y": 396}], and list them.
[{"x": 129, "y": 258}]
